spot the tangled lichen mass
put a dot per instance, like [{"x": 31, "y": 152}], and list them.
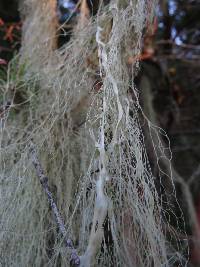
[{"x": 79, "y": 106}]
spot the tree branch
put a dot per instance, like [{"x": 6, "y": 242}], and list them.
[{"x": 74, "y": 259}]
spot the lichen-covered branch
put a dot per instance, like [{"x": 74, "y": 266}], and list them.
[{"x": 74, "y": 259}]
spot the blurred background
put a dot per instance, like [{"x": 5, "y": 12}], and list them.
[{"x": 169, "y": 82}]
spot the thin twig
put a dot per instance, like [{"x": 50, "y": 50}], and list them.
[
  {"x": 194, "y": 175},
  {"x": 186, "y": 46},
  {"x": 5, "y": 108},
  {"x": 74, "y": 258}
]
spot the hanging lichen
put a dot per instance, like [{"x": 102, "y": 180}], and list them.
[{"x": 83, "y": 114}]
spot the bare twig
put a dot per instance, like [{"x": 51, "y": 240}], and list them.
[{"x": 74, "y": 259}]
